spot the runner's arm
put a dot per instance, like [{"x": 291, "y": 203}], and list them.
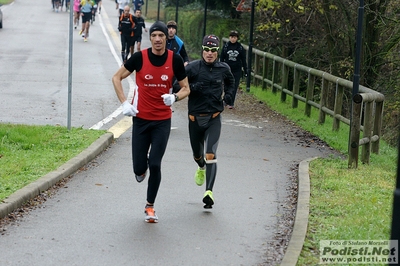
[
  {"x": 185, "y": 90},
  {"x": 180, "y": 74}
]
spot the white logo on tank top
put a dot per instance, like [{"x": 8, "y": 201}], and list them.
[{"x": 148, "y": 77}]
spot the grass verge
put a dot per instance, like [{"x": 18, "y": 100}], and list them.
[
  {"x": 345, "y": 204},
  {"x": 5, "y": 2},
  {"x": 29, "y": 152}
]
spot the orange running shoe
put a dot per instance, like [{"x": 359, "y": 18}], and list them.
[{"x": 151, "y": 216}]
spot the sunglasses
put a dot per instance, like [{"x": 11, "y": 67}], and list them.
[{"x": 212, "y": 49}]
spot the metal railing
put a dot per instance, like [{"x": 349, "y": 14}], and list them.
[{"x": 272, "y": 71}]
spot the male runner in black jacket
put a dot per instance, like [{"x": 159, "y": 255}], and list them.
[
  {"x": 126, "y": 27},
  {"x": 211, "y": 83},
  {"x": 140, "y": 25},
  {"x": 234, "y": 55}
]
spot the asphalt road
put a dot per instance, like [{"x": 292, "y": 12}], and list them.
[
  {"x": 97, "y": 218},
  {"x": 34, "y": 63}
]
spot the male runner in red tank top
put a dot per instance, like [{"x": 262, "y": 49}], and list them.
[{"x": 151, "y": 107}]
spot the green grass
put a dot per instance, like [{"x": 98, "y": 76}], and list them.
[
  {"x": 29, "y": 152},
  {"x": 5, "y": 2},
  {"x": 345, "y": 204}
]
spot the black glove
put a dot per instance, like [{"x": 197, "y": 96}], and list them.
[
  {"x": 196, "y": 86},
  {"x": 119, "y": 28},
  {"x": 228, "y": 99},
  {"x": 245, "y": 73}
]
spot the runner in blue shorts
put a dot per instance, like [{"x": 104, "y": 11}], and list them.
[{"x": 86, "y": 13}]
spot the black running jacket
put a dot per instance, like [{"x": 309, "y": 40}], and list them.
[{"x": 210, "y": 86}]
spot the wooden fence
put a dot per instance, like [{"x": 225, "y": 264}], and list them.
[{"x": 287, "y": 78}]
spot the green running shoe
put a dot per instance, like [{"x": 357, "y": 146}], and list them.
[
  {"x": 199, "y": 176},
  {"x": 208, "y": 199}
]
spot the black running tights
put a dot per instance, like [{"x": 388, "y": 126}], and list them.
[{"x": 151, "y": 135}]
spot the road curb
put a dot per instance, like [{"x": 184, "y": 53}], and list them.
[
  {"x": 301, "y": 220},
  {"x": 18, "y": 198}
]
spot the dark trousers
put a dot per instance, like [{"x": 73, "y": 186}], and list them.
[
  {"x": 126, "y": 42},
  {"x": 237, "y": 74},
  {"x": 153, "y": 135},
  {"x": 205, "y": 131}
]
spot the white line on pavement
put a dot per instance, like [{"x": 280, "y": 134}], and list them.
[{"x": 122, "y": 125}]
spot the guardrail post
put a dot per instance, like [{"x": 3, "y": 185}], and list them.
[
  {"x": 377, "y": 126},
  {"x": 355, "y": 131},
  {"x": 296, "y": 86},
  {"x": 274, "y": 78},
  {"x": 324, "y": 95},
  {"x": 285, "y": 78},
  {"x": 310, "y": 93},
  {"x": 338, "y": 106},
  {"x": 265, "y": 72},
  {"x": 256, "y": 82},
  {"x": 367, "y": 133}
]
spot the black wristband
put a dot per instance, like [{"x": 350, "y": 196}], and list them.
[{"x": 176, "y": 97}]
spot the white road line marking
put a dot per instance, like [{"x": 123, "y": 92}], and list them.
[{"x": 132, "y": 85}]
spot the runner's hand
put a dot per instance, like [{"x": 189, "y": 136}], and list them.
[
  {"x": 169, "y": 99},
  {"x": 228, "y": 99},
  {"x": 128, "y": 109}
]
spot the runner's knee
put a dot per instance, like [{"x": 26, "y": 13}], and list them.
[{"x": 210, "y": 158}]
